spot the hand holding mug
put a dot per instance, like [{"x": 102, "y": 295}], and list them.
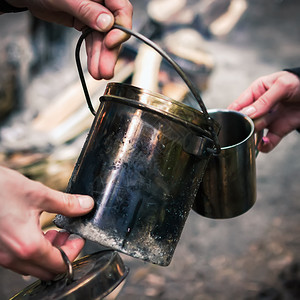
[{"x": 273, "y": 101}]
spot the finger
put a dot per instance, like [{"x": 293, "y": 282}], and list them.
[
  {"x": 73, "y": 246},
  {"x": 250, "y": 95},
  {"x": 107, "y": 62},
  {"x": 122, "y": 11},
  {"x": 48, "y": 261},
  {"x": 58, "y": 202},
  {"x": 267, "y": 119},
  {"x": 101, "y": 60},
  {"x": 269, "y": 142},
  {"x": 94, "y": 49},
  {"x": 90, "y": 13},
  {"x": 51, "y": 257},
  {"x": 57, "y": 238},
  {"x": 246, "y": 98},
  {"x": 115, "y": 38},
  {"x": 278, "y": 125},
  {"x": 266, "y": 102},
  {"x": 50, "y": 235},
  {"x": 257, "y": 89}
]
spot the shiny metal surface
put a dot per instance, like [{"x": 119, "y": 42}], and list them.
[
  {"x": 143, "y": 170},
  {"x": 95, "y": 277},
  {"x": 229, "y": 184},
  {"x": 160, "y": 102}
]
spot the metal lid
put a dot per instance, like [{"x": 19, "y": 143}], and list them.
[
  {"x": 94, "y": 277},
  {"x": 160, "y": 104},
  {"x": 156, "y": 100}
]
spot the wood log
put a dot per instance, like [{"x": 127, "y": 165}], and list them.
[
  {"x": 189, "y": 44},
  {"x": 225, "y": 23},
  {"x": 175, "y": 90},
  {"x": 146, "y": 68},
  {"x": 81, "y": 119},
  {"x": 164, "y": 10},
  {"x": 69, "y": 101}
]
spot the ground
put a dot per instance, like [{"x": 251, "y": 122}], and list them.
[{"x": 256, "y": 255}]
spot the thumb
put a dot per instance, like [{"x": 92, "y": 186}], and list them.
[
  {"x": 92, "y": 14},
  {"x": 66, "y": 204}
]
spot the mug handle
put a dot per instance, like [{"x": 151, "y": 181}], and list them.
[{"x": 258, "y": 137}]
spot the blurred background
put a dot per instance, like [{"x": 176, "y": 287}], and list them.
[{"x": 223, "y": 45}]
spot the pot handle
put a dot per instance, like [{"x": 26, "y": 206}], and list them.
[{"x": 194, "y": 90}]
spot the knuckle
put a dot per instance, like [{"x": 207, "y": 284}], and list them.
[
  {"x": 264, "y": 101},
  {"x": 125, "y": 10},
  {"x": 84, "y": 8},
  {"x": 286, "y": 83},
  {"x": 68, "y": 201}
]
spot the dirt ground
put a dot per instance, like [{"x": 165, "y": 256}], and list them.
[{"x": 255, "y": 256}]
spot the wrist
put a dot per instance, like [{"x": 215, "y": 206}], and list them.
[{"x": 11, "y": 6}]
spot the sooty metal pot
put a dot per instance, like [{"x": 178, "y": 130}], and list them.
[{"x": 142, "y": 163}]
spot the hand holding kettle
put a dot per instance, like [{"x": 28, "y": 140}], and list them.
[{"x": 273, "y": 101}]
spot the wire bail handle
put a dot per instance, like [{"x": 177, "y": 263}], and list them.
[{"x": 177, "y": 68}]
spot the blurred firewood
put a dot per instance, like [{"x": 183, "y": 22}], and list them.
[
  {"x": 224, "y": 24},
  {"x": 62, "y": 124},
  {"x": 18, "y": 160},
  {"x": 165, "y": 10},
  {"x": 72, "y": 99},
  {"x": 82, "y": 118},
  {"x": 146, "y": 69},
  {"x": 175, "y": 90},
  {"x": 189, "y": 44},
  {"x": 188, "y": 48},
  {"x": 210, "y": 17}
]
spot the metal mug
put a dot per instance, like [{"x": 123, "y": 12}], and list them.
[
  {"x": 142, "y": 162},
  {"x": 228, "y": 188}
]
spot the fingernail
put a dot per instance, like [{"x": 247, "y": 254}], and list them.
[
  {"x": 74, "y": 236},
  {"x": 86, "y": 202},
  {"x": 104, "y": 22},
  {"x": 249, "y": 111},
  {"x": 265, "y": 141}
]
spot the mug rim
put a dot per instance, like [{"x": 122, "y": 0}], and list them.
[{"x": 250, "y": 121}]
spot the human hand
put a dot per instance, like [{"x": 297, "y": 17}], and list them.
[
  {"x": 24, "y": 248},
  {"x": 273, "y": 101},
  {"x": 103, "y": 45}
]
